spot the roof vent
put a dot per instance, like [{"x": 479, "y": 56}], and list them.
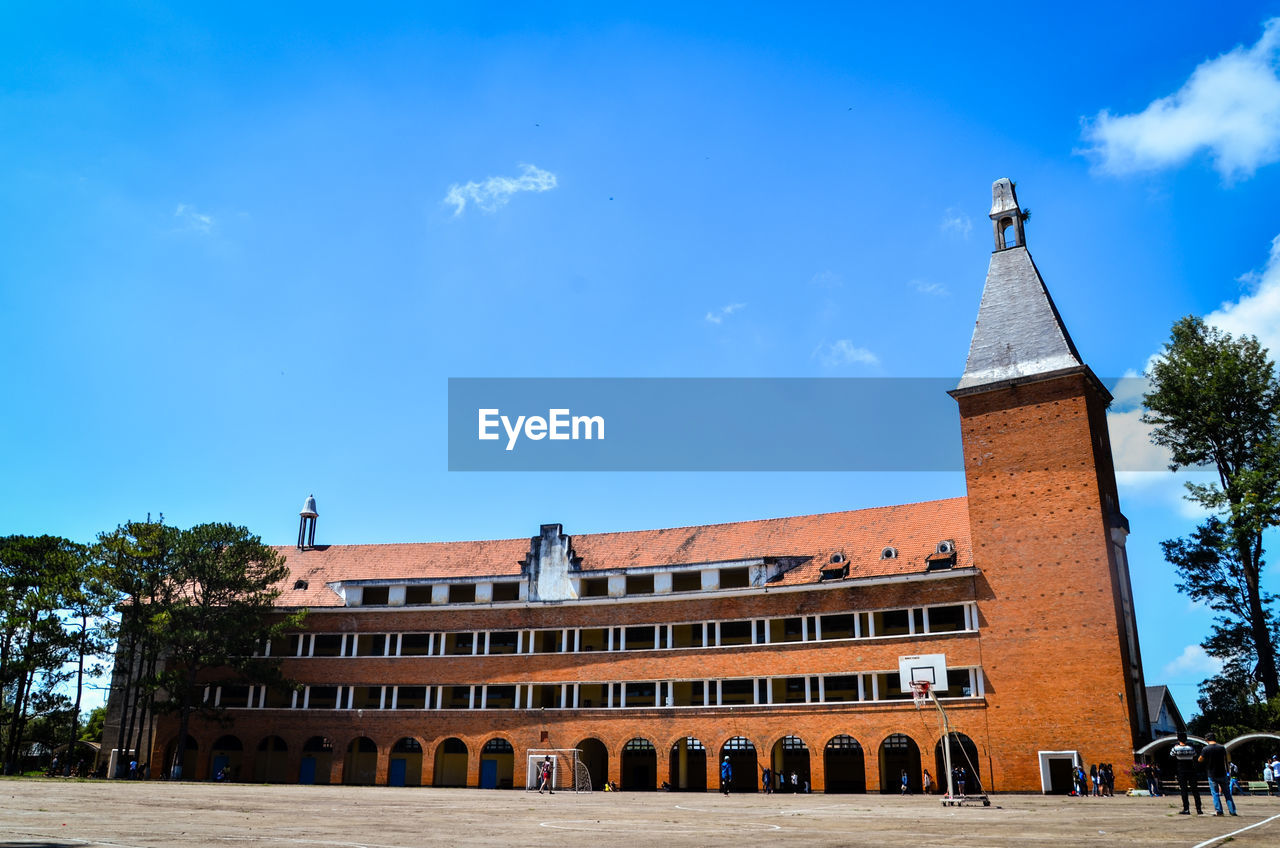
[
  {"x": 946, "y": 547},
  {"x": 889, "y": 553},
  {"x": 300, "y": 584},
  {"x": 837, "y": 559}
]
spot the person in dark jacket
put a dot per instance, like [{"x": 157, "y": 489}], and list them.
[{"x": 1184, "y": 757}]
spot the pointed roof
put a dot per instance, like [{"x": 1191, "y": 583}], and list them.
[{"x": 1019, "y": 332}]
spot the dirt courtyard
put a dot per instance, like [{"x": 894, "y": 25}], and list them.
[{"x": 52, "y": 813}]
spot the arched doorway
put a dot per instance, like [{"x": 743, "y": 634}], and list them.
[
  {"x": 639, "y": 766},
  {"x": 790, "y": 756},
  {"x": 742, "y": 757},
  {"x": 899, "y": 753},
  {"x": 964, "y": 754},
  {"x": 845, "y": 765},
  {"x": 497, "y": 764},
  {"x": 317, "y": 761},
  {"x": 225, "y": 758},
  {"x": 451, "y": 763},
  {"x": 178, "y": 771},
  {"x": 360, "y": 767},
  {"x": 272, "y": 761},
  {"x": 405, "y": 766},
  {"x": 688, "y": 765},
  {"x": 1250, "y": 752},
  {"x": 595, "y": 756}
]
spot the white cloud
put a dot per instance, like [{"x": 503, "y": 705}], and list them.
[
  {"x": 192, "y": 219},
  {"x": 1256, "y": 313},
  {"x": 723, "y": 312},
  {"x": 844, "y": 352},
  {"x": 1229, "y": 106},
  {"x": 930, "y": 288},
  {"x": 495, "y": 192},
  {"x": 1192, "y": 661},
  {"x": 957, "y": 222}
]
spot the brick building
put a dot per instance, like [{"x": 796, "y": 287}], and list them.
[{"x": 657, "y": 653}]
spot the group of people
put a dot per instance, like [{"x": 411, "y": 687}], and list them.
[
  {"x": 768, "y": 776},
  {"x": 1099, "y": 782},
  {"x": 1214, "y": 758},
  {"x": 959, "y": 782}
]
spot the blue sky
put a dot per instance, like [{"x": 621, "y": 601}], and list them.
[{"x": 244, "y": 247}]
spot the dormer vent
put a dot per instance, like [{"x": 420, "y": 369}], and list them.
[
  {"x": 946, "y": 547},
  {"x": 300, "y": 584},
  {"x": 838, "y": 559},
  {"x": 889, "y": 553}
]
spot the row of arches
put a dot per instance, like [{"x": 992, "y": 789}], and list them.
[{"x": 687, "y": 765}]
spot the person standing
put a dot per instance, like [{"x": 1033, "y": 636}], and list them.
[
  {"x": 795, "y": 783},
  {"x": 726, "y": 776},
  {"x": 906, "y": 785},
  {"x": 1184, "y": 757},
  {"x": 544, "y": 776},
  {"x": 928, "y": 782},
  {"x": 767, "y": 780},
  {"x": 1214, "y": 757}
]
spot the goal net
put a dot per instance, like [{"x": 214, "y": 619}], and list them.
[{"x": 568, "y": 772}]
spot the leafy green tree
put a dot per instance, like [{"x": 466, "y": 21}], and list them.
[
  {"x": 223, "y": 611},
  {"x": 37, "y": 574},
  {"x": 92, "y": 727},
  {"x": 1215, "y": 402}
]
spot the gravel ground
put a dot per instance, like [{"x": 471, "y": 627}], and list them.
[{"x": 54, "y": 813}]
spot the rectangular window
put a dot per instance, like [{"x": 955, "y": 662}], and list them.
[
  {"x": 737, "y": 692},
  {"x": 328, "y": 645},
  {"x": 735, "y": 633},
  {"x": 891, "y": 622},
  {"x": 838, "y": 626},
  {"x": 688, "y": 693},
  {"x": 503, "y": 641},
  {"x": 506, "y": 592},
  {"x": 735, "y": 578},
  {"x": 366, "y": 698},
  {"x": 785, "y": 630},
  {"x": 642, "y": 694},
  {"x": 455, "y": 697},
  {"x": 946, "y": 619},
  {"x": 640, "y": 584},
  {"x": 417, "y": 596},
  {"x": 788, "y": 690},
  {"x": 686, "y": 581},
  {"x": 234, "y": 696},
  {"x": 462, "y": 593},
  {"x": 545, "y": 696},
  {"x": 459, "y": 644},
  {"x": 371, "y": 645},
  {"x": 640, "y": 638},
  {"x": 279, "y": 698},
  {"x": 686, "y": 636},
  {"x": 593, "y": 639},
  {"x": 411, "y": 698},
  {"x": 298, "y": 644},
  {"x": 890, "y": 687},
  {"x": 917, "y": 616},
  {"x": 594, "y": 587},
  {"x": 546, "y": 641},
  {"x": 374, "y": 596},
  {"x": 592, "y": 696},
  {"x": 841, "y": 688},
  {"x": 499, "y": 697},
  {"x": 959, "y": 682},
  {"x": 322, "y": 698},
  {"x": 415, "y": 644}
]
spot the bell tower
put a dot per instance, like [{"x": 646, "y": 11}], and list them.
[
  {"x": 307, "y": 524},
  {"x": 1064, "y": 668}
]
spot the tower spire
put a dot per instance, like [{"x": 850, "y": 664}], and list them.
[
  {"x": 1019, "y": 332},
  {"x": 307, "y": 524}
]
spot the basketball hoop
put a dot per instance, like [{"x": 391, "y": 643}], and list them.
[{"x": 920, "y": 692}]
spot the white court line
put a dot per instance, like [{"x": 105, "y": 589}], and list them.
[
  {"x": 596, "y": 825},
  {"x": 1217, "y": 839}
]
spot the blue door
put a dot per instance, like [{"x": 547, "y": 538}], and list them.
[
  {"x": 307, "y": 771},
  {"x": 395, "y": 776},
  {"x": 219, "y": 763},
  {"x": 488, "y": 774}
]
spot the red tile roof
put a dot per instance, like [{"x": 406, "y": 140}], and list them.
[{"x": 913, "y": 529}]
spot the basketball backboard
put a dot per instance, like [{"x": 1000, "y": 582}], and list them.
[{"x": 931, "y": 668}]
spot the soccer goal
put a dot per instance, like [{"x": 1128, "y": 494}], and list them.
[{"x": 568, "y": 771}]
